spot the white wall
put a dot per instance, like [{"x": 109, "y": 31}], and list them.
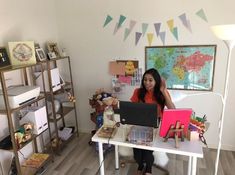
[
  {"x": 81, "y": 32},
  {"x": 20, "y": 21},
  {"x": 79, "y": 27}
]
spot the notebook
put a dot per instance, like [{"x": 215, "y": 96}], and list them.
[{"x": 171, "y": 116}]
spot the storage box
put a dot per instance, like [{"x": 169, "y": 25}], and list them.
[
  {"x": 55, "y": 80},
  {"x": 37, "y": 116}
]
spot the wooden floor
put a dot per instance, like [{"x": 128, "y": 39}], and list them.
[{"x": 79, "y": 158}]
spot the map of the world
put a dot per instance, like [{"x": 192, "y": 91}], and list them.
[{"x": 183, "y": 67}]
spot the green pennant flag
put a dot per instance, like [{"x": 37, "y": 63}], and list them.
[
  {"x": 201, "y": 14},
  {"x": 121, "y": 20},
  {"x": 107, "y": 20},
  {"x": 175, "y": 33}
]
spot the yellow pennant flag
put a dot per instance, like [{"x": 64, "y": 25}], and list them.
[
  {"x": 150, "y": 38},
  {"x": 170, "y": 24}
]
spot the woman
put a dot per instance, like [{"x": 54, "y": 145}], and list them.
[{"x": 152, "y": 90}]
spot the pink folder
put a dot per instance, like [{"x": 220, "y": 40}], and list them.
[{"x": 171, "y": 116}]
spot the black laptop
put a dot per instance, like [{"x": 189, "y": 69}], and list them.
[{"x": 142, "y": 114}]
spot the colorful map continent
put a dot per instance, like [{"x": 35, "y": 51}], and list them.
[{"x": 195, "y": 62}]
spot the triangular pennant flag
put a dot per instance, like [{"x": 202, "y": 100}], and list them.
[
  {"x": 170, "y": 24},
  {"x": 201, "y": 14},
  {"x": 116, "y": 29},
  {"x": 150, "y": 38},
  {"x": 183, "y": 19},
  {"x": 144, "y": 28},
  {"x": 189, "y": 26},
  {"x": 185, "y": 22},
  {"x": 137, "y": 37},
  {"x": 107, "y": 20},
  {"x": 121, "y": 20},
  {"x": 126, "y": 33},
  {"x": 162, "y": 36},
  {"x": 157, "y": 27},
  {"x": 132, "y": 24},
  {"x": 175, "y": 33}
]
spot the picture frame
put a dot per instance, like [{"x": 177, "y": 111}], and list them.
[
  {"x": 40, "y": 54},
  {"x": 184, "y": 67},
  {"x": 51, "y": 55},
  {"x": 22, "y": 52},
  {"x": 130, "y": 66},
  {"x": 4, "y": 59},
  {"x": 53, "y": 47}
]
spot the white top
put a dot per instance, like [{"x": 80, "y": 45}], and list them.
[{"x": 187, "y": 148}]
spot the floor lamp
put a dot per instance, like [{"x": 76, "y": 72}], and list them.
[{"x": 227, "y": 34}]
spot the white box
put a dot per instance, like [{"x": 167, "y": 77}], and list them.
[
  {"x": 37, "y": 116},
  {"x": 55, "y": 80}
]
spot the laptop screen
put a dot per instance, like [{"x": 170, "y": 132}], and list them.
[{"x": 142, "y": 114}]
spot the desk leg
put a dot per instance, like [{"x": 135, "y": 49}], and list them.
[
  {"x": 190, "y": 165},
  {"x": 194, "y": 166},
  {"x": 101, "y": 157},
  {"x": 116, "y": 158}
]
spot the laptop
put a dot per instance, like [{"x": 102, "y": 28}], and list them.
[{"x": 142, "y": 114}]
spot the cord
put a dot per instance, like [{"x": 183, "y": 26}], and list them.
[{"x": 117, "y": 124}]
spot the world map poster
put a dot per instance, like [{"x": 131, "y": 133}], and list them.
[{"x": 189, "y": 67}]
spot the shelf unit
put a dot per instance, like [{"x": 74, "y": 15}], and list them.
[
  {"x": 64, "y": 110},
  {"x": 9, "y": 112}
]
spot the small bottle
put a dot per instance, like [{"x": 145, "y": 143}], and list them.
[{"x": 109, "y": 116}]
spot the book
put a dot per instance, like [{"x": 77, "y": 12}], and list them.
[
  {"x": 36, "y": 160},
  {"x": 106, "y": 131}
]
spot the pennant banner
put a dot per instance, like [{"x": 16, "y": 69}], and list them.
[
  {"x": 144, "y": 28},
  {"x": 137, "y": 37},
  {"x": 185, "y": 22},
  {"x": 202, "y": 15},
  {"x": 121, "y": 20},
  {"x": 170, "y": 24},
  {"x": 126, "y": 33},
  {"x": 162, "y": 37},
  {"x": 107, "y": 20},
  {"x": 150, "y": 38},
  {"x": 157, "y": 27}
]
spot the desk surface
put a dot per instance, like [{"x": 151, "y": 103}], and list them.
[{"x": 187, "y": 148}]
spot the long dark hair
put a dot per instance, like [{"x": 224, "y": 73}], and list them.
[{"x": 157, "y": 93}]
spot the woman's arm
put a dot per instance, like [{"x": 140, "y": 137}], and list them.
[{"x": 169, "y": 103}]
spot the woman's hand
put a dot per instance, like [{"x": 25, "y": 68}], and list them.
[
  {"x": 163, "y": 89},
  {"x": 163, "y": 85}
]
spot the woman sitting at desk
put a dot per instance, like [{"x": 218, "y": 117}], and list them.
[{"x": 152, "y": 90}]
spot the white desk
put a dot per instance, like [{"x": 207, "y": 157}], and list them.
[{"x": 192, "y": 149}]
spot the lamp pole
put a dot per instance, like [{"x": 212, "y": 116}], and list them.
[
  {"x": 229, "y": 45},
  {"x": 227, "y": 34}
]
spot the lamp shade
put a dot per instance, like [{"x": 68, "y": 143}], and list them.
[{"x": 224, "y": 32}]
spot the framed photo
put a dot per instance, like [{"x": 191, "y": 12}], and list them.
[
  {"x": 22, "y": 52},
  {"x": 130, "y": 66},
  {"x": 187, "y": 67},
  {"x": 41, "y": 54},
  {"x": 4, "y": 59},
  {"x": 53, "y": 47},
  {"x": 51, "y": 55}
]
